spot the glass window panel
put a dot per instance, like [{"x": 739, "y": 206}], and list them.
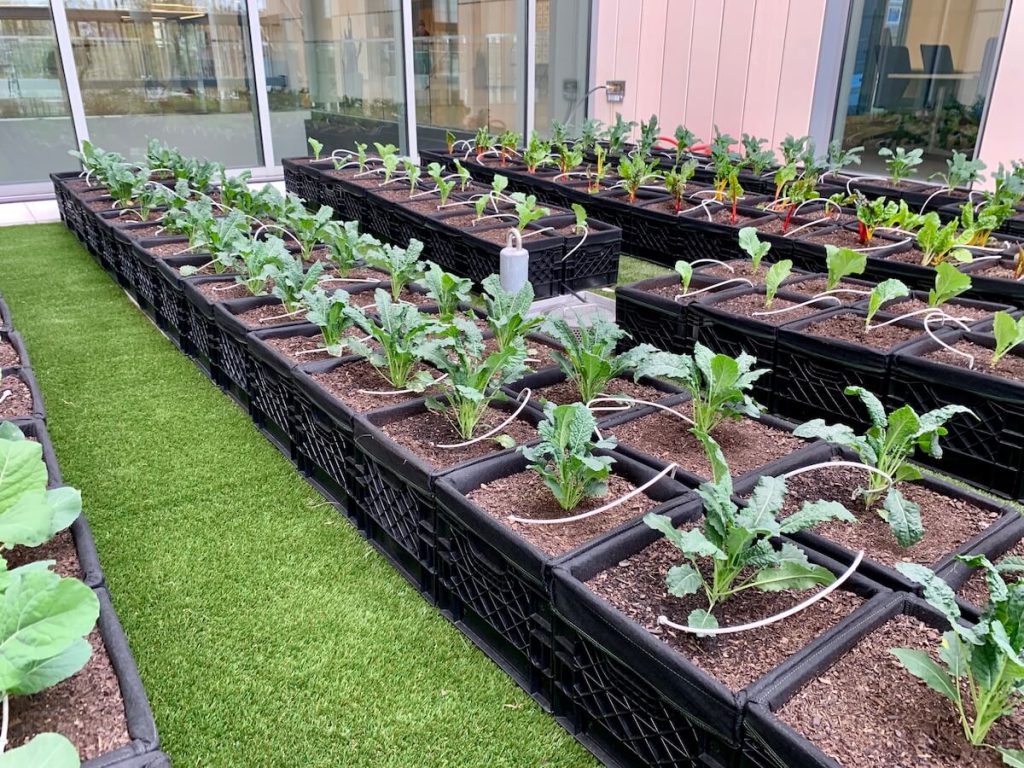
[
  {"x": 562, "y": 57},
  {"x": 334, "y": 73},
  {"x": 917, "y": 73},
  {"x": 35, "y": 121},
  {"x": 468, "y": 60},
  {"x": 179, "y": 70}
]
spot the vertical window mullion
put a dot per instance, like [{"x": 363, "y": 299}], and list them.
[
  {"x": 67, "y": 63},
  {"x": 259, "y": 85},
  {"x": 412, "y": 148}
]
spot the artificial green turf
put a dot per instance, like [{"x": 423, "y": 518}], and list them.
[{"x": 267, "y": 632}]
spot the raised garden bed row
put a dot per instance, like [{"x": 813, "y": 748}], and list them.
[
  {"x": 571, "y": 616},
  {"x": 560, "y": 259},
  {"x": 103, "y": 709},
  {"x": 824, "y": 349}
]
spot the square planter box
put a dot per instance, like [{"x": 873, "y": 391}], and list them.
[
  {"x": 494, "y": 582},
  {"x": 592, "y": 260},
  {"x": 998, "y": 289},
  {"x": 987, "y": 451},
  {"x": 812, "y": 372},
  {"x": 954, "y": 307},
  {"x": 633, "y": 697},
  {"x": 808, "y": 249},
  {"x": 169, "y": 288}
]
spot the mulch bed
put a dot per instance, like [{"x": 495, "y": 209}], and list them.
[{"x": 19, "y": 403}]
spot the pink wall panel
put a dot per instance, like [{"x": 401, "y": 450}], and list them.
[
  {"x": 733, "y": 58},
  {"x": 703, "y": 74},
  {"x": 675, "y": 71},
  {"x": 605, "y": 40},
  {"x": 799, "y": 67},
  {"x": 1001, "y": 140},
  {"x": 626, "y": 57},
  {"x": 650, "y": 59},
  {"x": 762, "y": 87}
]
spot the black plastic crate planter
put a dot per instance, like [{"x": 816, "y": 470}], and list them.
[
  {"x": 592, "y": 260},
  {"x": 138, "y": 715},
  {"x": 233, "y": 343},
  {"x": 957, "y": 307},
  {"x": 200, "y": 334},
  {"x": 808, "y": 250},
  {"x": 731, "y": 333},
  {"x": 652, "y": 319},
  {"x": 994, "y": 538},
  {"x": 987, "y": 451},
  {"x": 812, "y": 371},
  {"x": 399, "y": 501},
  {"x": 634, "y": 698},
  {"x": 999, "y": 289},
  {"x": 21, "y": 378},
  {"x": 771, "y": 743},
  {"x": 168, "y": 289},
  {"x": 494, "y": 582}
]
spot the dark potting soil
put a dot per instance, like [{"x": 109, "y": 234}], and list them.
[
  {"x": 889, "y": 184},
  {"x": 100, "y": 205},
  {"x": 468, "y": 222},
  {"x": 87, "y": 708},
  {"x": 912, "y": 256},
  {"x": 498, "y": 235},
  {"x": 724, "y": 216},
  {"x": 362, "y": 274},
  {"x": 739, "y": 268},
  {"x": 132, "y": 217},
  {"x": 867, "y": 709},
  {"x": 673, "y": 290},
  {"x": 752, "y": 304},
  {"x": 216, "y": 290},
  {"x": 396, "y": 193},
  {"x": 345, "y": 381},
  {"x": 851, "y": 328},
  {"x": 997, "y": 270},
  {"x": 1009, "y": 367},
  {"x": 842, "y": 238},
  {"x": 747, "y": 443},
  {"x": 153, "y": 230},
  {"x": 412, "y": 297},
  {"x": 19, "y": 403},
  {"x": 525, "y": 495},
  {"x": 948, "y": 522},
  {"x": 8, "y": 355},
  {"x": 166, "y": 250},
  {"x": 636, "y": 587},
  {"x": 904, "y": 306},
  {"x": 426, "y": 205},
  {"x": 421, "y": 433},
  {"x": 81, "y": 185},
  {"x": 975, "y": 589},
  {"x": 816, "y": 285},
  {"x": 267, "y": 316},
  {"x": 291, "y": 346},
  {"x": 60, "y": 548},
  {"x": 362, "y": 299},
  {"x": 668, "y": 207},
  {"x": 565, "y": 392}
]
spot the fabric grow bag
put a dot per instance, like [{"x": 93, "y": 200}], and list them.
[{"x": 27, "y": 377}]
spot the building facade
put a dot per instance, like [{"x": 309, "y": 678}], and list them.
[{"x": 248, "y": 81}]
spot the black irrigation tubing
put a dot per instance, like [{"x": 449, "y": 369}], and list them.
[{"x": 621, "y": 691}]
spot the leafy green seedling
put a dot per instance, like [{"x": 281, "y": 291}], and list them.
[
  {"x": 403, "y": 264},
  {"x": 588, "y": 358},
  {"x": 292, "y": 281},
  {"x": 506, "y": 312},
  {"x": 310, "y": 229},
  {"x": 634, "y": 173},
  {"x": 960, "y": 172},
  {"x": 777, "y": 273},
  {"x": 738, "y": 543},
  {"x": 950, "y": 282},
  {"x": 839, "y": 158},
  {"x": 901, "y": 164},
  {"x": 719, "y": 385},
  {"x": 444, "y": 187},
  {"x": 1008, "y": 332},
  {"x": 446, "y": 289},
  {"x": 872, "y": 214},
  {"x": 884, "y": 292},
  {"x": 401, "y": 335},
  {"x": 685, "y": 271},
  {"x": 842, "y": 262},
  {"x": 753, "y": 247},
  {"x": 580, "y": 226},
  {"x": 938, "y": 242},
  {"x": 887, "y": 446},
  {"x": 328, "y": 311},
  {"x": 676, "y": 181},
  {"x": 564, "y": 457},
  {"x": 980, "y": 669},
  {"x": 349, "y": 246},
  {"x": 536, "y": 154},
  {"x": 259, "y": 262},
  {"x": 685, "y": 138},
  {"x": 527, "y": 210},
  {"x": 316, "y": 146}
]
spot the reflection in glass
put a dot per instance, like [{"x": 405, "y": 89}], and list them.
[
  {"x": 180, "y": 71},
  {"x": 563, "y": 49},
  {"x": 35, "y": 121},
  {"x": 334, "y": 73},
  {"x": 917, "y": 74},
  {"x": 468, "y": 59}
]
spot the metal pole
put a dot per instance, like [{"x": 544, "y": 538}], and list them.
[
  {"x": 67, "y": 63},
  {"x": 410, "y": 81},
  {"x": 259, "y": 73},
  {"x": 531, "y": 68}
]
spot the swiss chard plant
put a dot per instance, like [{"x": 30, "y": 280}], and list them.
[
  {"x": 473, "y": 377},
  {"x": 733, "y": 550},
  {"x": 328, "y": 312},
  {"x": 588, "y": 357},
  {"x": 777, "y": 273},
  {"x": 981, "y": 222},
  {"x": 872, "y": 214},
  {"x": 939, "y": 242},
  {"x": 564, "y": 458},
  {"x": 950, "y": 282},
  {"x": 443, "y": 184},
  {"x": 634, "y": 172},
  {"x": 785, "y": 175},
  {"x": 508, "y": 141},
  {"x": 900, "y": 163},
  {"x": 677, "y": 179},
  {"x": 751, "y": 245},
  {"x": 483, "y": 142},
  {"x": 401, "y": 334},
  {"x": 881, "y": 294},
  {"x": 536, "y": 153},
  {"x": 527, "y": 210},
  {"x": 403, "y": 264},
  {"x": 800, "y": 191},
  {"x": 507, "y": 312},
  {"x": 719, "y": 385},
  {"x": 842, "y": 262},
  {"x": 599, "y": 172},
  {"x": 568, "y": 157},
  {"x": 1008, "y": 332},
  {"x": 888, "y": 446},
  {"x": 446, "y": 289},
  {"x": 979, "y": 669}
]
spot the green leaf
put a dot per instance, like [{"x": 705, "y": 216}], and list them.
[
  {"x": 1008, "y": 332},
  {"x": 28, "y": 522},
  {"x": 776, "y": 274},
  {"x": 949, "y": 283},
  {"x": 685, "y": 274},
  {"x": 47, "y": 750},
  {"x": 922, "y": 666},
  {"x": 21, "y": 469},
  {"x": 904, "y": 518},
  {"x": 814, "y": 512},
  {"x": 842, "y": 262},
  {"x": 1011, "y": 757},
  {"x": 683, "y": 580},
  {"x": 884, "y": 292},
  {"x": 937, "y": 592},
  {"x": 876, "y": 411},
  {"x": 753, "y": 247},
  {"x": 36, "y": 676},
  {"x": 793, "y": 575},
  {"x": 10, "y": 431},
  {"x": 702, "y": 619}
]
